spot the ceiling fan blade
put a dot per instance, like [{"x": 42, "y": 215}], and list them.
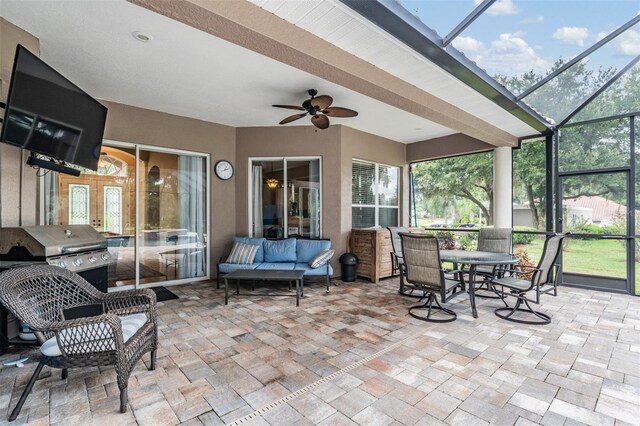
[
  {"x": 340, "y": 112},
  {"x": 292, "y": 118},
  {"x": 289, "y": 107},
  {"x": 320, "y": 121},
  {"x": 322, "y": 102}
]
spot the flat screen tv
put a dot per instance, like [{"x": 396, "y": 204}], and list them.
[{"x": 49, "y": 115}]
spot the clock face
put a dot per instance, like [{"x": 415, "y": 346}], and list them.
[{"x": 224, "y": 169}]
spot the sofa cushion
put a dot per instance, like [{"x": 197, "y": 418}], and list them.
[
  {"x": 321, "y": 258},
  {"x": 257, "y": 241},
  {"x": 242, "y": 253},
  {"x": 225, "y": 268},
  {"x": 280, "y": 250},
  {"x": 130, "y": 326},
  {"x": 308, "y": 249},
  {"x": 314, "y": 272},
  {"x": 288, "y": 266}
]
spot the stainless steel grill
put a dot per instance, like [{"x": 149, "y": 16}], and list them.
[{"x": 79, "y": 248}]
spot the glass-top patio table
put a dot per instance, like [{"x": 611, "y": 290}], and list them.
[{"x": 474, "y": 259}]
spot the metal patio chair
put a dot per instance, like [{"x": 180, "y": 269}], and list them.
[
  {"x": 543, "y": 281},
  {"x": 494, "y": 240},
  {"x": 123, "y": 329},
  {"x": 424, "y": 272},
  {"x": 396, "y": 254}
]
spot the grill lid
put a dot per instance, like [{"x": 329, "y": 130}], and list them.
[{"x": 52, "y": 240}]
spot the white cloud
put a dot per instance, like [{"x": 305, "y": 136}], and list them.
[
  {"x": 571, "y": 35},
  {"x": 628, "y": 43},
  {"x": 539, "y": 19},
  {"x": 500, "y": 7},
  {"x": 508, "y": 54},
  {"x": 468, "y": 45}
]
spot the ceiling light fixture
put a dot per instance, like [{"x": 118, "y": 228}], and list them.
[
  {"x": 272, "y": 183},
  {"x": 143, "y": 37}
]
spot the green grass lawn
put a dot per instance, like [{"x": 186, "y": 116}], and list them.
[{"x": 593, "y": 257}]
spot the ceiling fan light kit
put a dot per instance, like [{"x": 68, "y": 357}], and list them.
[{"x": 319, "y": 108}]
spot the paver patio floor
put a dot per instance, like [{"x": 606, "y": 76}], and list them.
[{"x": 354, "y": 356}]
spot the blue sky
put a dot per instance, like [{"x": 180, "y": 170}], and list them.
[{"x": 514, "y": 36}]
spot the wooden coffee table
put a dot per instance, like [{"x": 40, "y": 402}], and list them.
[{"x": 290, "y": 276}]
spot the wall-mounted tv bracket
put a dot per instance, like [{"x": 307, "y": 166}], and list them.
[{"x": 51, "y": 164}]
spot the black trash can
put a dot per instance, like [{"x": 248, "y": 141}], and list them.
[{"x": 348, "y": 262}]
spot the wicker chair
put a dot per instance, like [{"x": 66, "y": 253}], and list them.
[
  {"x": 423, "y": 272},
  {"x": 543, "y": 281},
  {"x": 42, "y": 296}
]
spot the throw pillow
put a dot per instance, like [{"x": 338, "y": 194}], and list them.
[
  {"x": 321, "y": 258},
  {"x": 242, "y": 253}
]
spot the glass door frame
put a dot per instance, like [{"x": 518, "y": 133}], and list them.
[
  {"x": 285, "y": 178},
  {"x": 138, "y": 148},
  {"x": 596, "y": 281}
]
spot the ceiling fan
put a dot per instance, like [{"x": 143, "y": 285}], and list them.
[{"x": 319, "y": 108}]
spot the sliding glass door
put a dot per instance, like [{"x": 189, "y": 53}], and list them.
[
  {"x": 150, "y": 204},
  {"x": 172, "y": 196},
  {"x": 285, "y": 197}
]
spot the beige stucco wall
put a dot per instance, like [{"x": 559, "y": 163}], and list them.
[
  {"x": 444, "y": 147},
  {"x": 18, "y": 202},
  {"x": 137, "y": 125}
]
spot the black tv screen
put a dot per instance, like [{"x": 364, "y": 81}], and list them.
[{"x": 48, "y": 114}]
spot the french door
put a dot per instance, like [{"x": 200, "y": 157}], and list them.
[{"x": 98, "y": 201}]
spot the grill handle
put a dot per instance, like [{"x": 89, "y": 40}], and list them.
[{"x": 82, "y": 248}]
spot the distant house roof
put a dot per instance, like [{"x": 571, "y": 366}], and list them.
[{"x": 603, "y": 210}]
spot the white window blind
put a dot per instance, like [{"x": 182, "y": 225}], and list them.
[{"x": 374, "y": 195}]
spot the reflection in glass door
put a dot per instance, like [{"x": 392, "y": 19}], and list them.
[
  {"x": 173, "y": 220},
  {"x": 594, "y": 210},
  {"x": 168, "y": 241},
  {"x": 285, "y": 198}
]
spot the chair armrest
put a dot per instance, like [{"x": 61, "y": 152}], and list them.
[
  {"x": 131, "y": 302},
  {"x": 101, "y": 333}
]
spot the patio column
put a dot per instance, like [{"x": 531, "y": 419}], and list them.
[{"x": 502, "y": 187}]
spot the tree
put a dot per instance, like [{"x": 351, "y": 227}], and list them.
[
  {"x": 593, "y": 146},
  {"x": 529, "y": 178},
  {"x": 468, "y": 176}
]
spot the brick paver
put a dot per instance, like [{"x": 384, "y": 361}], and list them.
[{"x": 218, "y": 364}]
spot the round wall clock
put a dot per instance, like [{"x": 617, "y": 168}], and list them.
[{"x": 224, "y": 170}]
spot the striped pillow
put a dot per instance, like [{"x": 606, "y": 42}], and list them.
[
  {"x": 242, "y": 253},
  {"x": 321, "y": 258}
]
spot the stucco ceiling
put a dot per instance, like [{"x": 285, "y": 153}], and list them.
[{"x": 187, "y": 72}]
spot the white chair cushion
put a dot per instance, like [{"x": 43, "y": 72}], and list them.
[{"x": 130, "y": 326}]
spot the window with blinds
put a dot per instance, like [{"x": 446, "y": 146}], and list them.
[{"x": 374, "y": 195}]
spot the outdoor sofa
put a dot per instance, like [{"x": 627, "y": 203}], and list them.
[{"x": 287, "y": 254}]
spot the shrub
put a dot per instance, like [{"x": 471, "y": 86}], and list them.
[
  {"x": 468, "y": 241},
  {"x": 446, "y": 240},
  {"x": 525, "y": 260},
  {"x": 588, "y": 228},
  {"x": 522, "y": 238}
]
